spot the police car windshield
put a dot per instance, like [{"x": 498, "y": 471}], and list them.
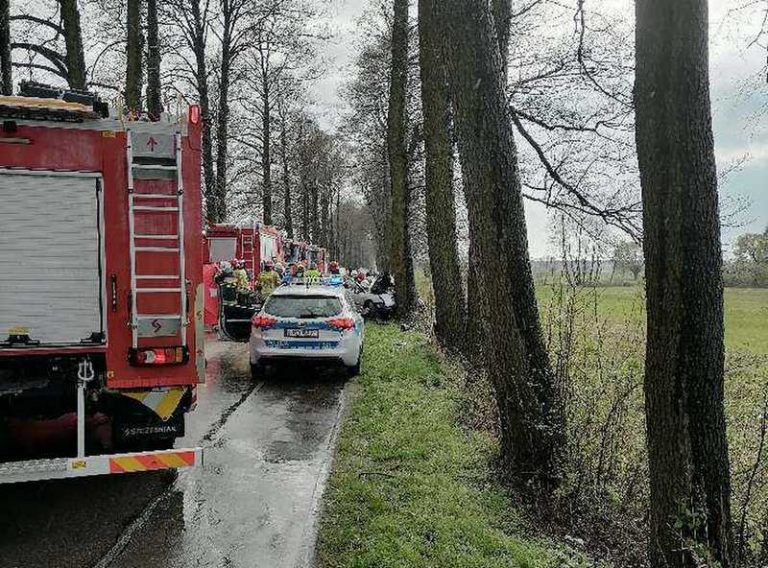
[{"x": 302, "y": 307}]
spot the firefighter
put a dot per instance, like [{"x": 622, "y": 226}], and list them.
[
  {"x": 313, "y": 274},
  {"x": 268, "y": 279},
  {"x": 241, "y": 275},
  {"x": 242, "y": 284}
]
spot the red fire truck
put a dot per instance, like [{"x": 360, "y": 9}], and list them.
[
  {"x": 101, "y": 299},
  {"x": 254, "y": 243}
]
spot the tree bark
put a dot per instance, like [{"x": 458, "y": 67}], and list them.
[
  {"x": 154, "y": 87},
  {"x": 382, "y": 205},
  {"x": 530, "y": 408},
  {"x": 476, "y": 312},
  {"x": 73, "y": 40},
  {"x": 440, "y": 204},
  {"x": 687, "y": 446},
  {"x": 133, "y": 56},
  {"x": 6, "y": 72},
  {"x": 222, "y": 125},
  {"x": 337, "y": 232},
  {"x": 198, "y": 44},
  {"x": 266, "y": 154},
  {"x": 325, "y": 214},
  {"x": 304, "y": 184},
  {"x": 287, "y": 215},
  {"x": 398, "y": 161},
  {"x": 315, "y": 223},
  {"x": 502, "y": 19}
]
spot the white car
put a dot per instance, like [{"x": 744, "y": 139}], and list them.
[{"x": 307, "y": 323}]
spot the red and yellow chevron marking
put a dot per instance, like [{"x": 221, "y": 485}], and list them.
[
  {"x": 162, "y": 401},
  {"x": 151, "y": 462}
]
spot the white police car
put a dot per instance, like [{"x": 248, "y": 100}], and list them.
[{"x": 307, "y": 323}]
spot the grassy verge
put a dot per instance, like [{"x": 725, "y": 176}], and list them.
[{"x": 410, "y": 486}]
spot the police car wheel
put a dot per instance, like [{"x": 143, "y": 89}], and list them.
[
  {"x": 354, "y": 370},
  {"x": 257, "y": 371}
]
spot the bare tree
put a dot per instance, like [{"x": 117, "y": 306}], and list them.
[
  {"x": 154, "y": 58},
  {"x": 531, "y": 413},
  {"x": 191, "y": 17},
  {"x": 440, "y": 205},
  {"x": 67, "y": 63},
  {"x": 397, "y": 127},
  {"x": 73, "y": 39},
  {"x": 134, "y": 54},
  {"x": 365, "y": 128},
  {"x": 687, "y": 445},
  {"x": 6, "y": 72},
  {"x": 282, "y": 113}
]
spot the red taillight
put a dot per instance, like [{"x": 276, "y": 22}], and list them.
[
  {"x": 264, "y": 322},
  {"x": 342, "y": 323},
  {"x": 194, "y": 114},
  {"x": 149, "y": 357}
]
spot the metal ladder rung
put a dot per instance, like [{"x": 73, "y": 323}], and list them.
[
  {"x": 151, "y": 208},
  {"x": 156, "y": 249},
  {"x": 154, "y": 202},
  {"x": 154, "y": 167},
  {"x": 155, "y": 195},
  {"x": 158, "y": 237}
]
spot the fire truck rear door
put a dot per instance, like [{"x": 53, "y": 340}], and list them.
[{"x": 50, "y": 258}]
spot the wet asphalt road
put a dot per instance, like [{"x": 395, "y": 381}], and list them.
[{"x": 268, "y": 449}]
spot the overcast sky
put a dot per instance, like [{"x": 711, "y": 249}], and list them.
[{"x": 740, "y": 105}]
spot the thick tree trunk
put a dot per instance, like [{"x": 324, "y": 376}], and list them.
[
  {"x": 502, "y": 19},
  {"x": 209, "y": 174},
  {"x": 336, "y": 247},
  {"x": 6, "y": 72},
  {"x": 305, "y": 209},
  {"x": 477, "y": 330},
  {"x": 73, "y": 40},
  {"x": 222, "y": 125},
  {"x": 195, "y": 34},
  {"x": 154, "y": 102},
  {"x": 687, "y": 446},
  {"x": 476, "y": 312},
  {"x": 441, "y": 208},
  {"x": 382, "y": 202},
  {"x": 266, "y": 154},
  {"x": 315, "y": 222},
  {"x": 397, "y": 122},
  {"x": 530, "y": 408},
  {"x": 325, "y": 213},
  {"x": 133, "y": 56},
  {"x": 287, "y": 214}
]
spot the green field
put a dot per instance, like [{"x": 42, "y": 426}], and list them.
[{"x": 746, "y": 312}]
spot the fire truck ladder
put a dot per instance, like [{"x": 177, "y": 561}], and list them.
[
  {"x": 161, "y": 162},
  {"x": 247, "y": 248}
]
